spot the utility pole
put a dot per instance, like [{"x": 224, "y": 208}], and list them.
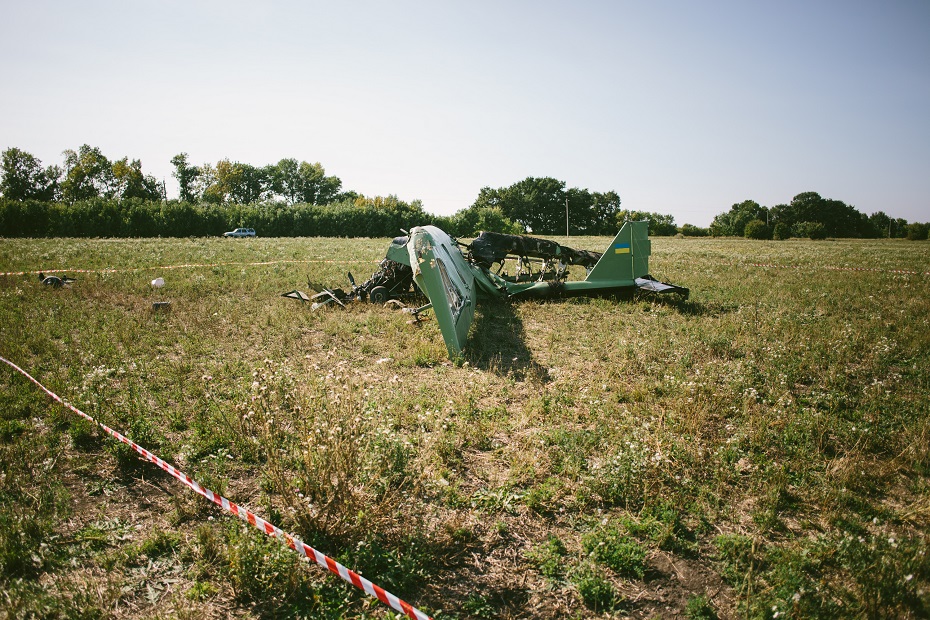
[{"x": 566, "y": 216}]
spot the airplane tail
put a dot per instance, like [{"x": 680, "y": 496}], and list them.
[{"x": 627, "y": 257}]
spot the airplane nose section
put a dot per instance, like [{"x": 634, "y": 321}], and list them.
[{"x": 441, "y": 272}]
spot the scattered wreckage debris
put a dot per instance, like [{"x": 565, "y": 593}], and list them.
[
  {"x": 491, "y": 248},
  {"x": 452, "y": 276},
  {"x": 392, "y": 284},
  {"x": 55, "y": 281}
]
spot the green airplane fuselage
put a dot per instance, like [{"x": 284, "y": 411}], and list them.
[{"x": 454, "y": 284}]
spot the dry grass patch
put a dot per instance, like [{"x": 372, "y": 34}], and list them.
[{"x": 759, "y": 446}]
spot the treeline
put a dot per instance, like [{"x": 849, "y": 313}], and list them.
[
  {"x": 287, "y": 181},
  {"x": 88, "y": 174},
  {"x": 134, "y": 217},
  {"x": 94, "y": 196},
  {"x": 541, "y": 205},
  {"x": 812, "y": 216},
  {"x": 352, "y": 217}
]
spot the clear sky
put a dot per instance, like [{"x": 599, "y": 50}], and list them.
[{"x": 682, "y": 108}]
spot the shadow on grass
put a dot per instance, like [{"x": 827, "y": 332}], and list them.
[
  {"x": 498, "y": 343},
  {"x": 686, "y": 307}
]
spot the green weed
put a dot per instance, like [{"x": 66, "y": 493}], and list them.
[
  {"x": 662, "y": 524},
  {"x": 478, "y": 606},
  {"x": 159, "y": 543},
  {"x": 496, "y": 500},
  {"x": 264, "y": 573},
  {"x": 610, "y": 546},
  {"x": 596, "y": 592},
  {"x": 201, "y": 591},
  {"x": 549, "y": 557},
  {"x": 700, "y": 608}
]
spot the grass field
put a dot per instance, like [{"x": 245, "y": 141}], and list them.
[{"x": 761, "y": 450}]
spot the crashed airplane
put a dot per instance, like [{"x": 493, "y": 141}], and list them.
[{"x": 453, "y": 276}]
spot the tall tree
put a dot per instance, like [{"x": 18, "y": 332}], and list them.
[
  {"x": 605, "y": 211},
  {"x": 881, "y": 224},
  {"x": 237, "y": 183},
  {"x": 88, "y": 174},
  {"x": 303, "y": 182},
  {"x": 130, "y": 182},
  {"x": 733, "y": 222},
  {"x": 286, "y": 180},
  {"x": 918, "y": 231},
  {"x": 24, "y": 178},
  {"x": 578, "y": 207},
  {"x": 187, "y": 175},
  {"x": 206, "y": 185},
  {"x": 659, "y": 224},
  {"x": 837, "y": 218},
  {"x": 898, "y": 228},
  {"x": 537, "y": 204}
]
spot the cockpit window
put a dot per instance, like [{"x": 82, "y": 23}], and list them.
[{"x": 453, "y": 294}]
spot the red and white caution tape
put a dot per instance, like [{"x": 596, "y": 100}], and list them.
[
  {"x": 246, "y": 515},
  {"x": 832, "y": 268},
  {"x": 330, "y": 262},
  {"x": 167, "y": 267}
]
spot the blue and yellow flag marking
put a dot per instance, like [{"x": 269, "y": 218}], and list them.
[{"x": 622, "y": 248}]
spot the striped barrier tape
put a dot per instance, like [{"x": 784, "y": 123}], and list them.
[
  {"x": 331, "y": 262},
  {"x": 832, "y": 268},
  {"x": 187, "y": 266},
  {"x": 246, "y": 515}
]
